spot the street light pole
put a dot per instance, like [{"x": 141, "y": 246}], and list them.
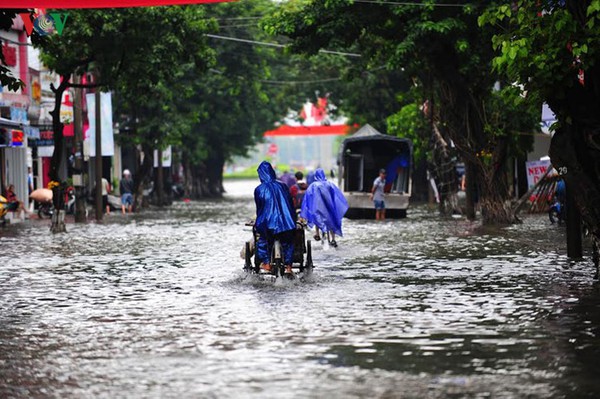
[{"x": 98, "y": 163}]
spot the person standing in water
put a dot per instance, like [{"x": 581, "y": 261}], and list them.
[
  {"x": 126, "y": 190},
  {"x": 378, "y": 196}
]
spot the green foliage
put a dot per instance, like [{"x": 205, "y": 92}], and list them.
[
  {"x": 517, "y": 125},
  {"x": 8, "y": 80},
  {"x": 142, "y": 54},
  {"x": 234, "y": 106},
  {"x": 409, "y": 122},
  {"x": 439, "y": 47},
  {"x": 144, "y": 43},
  {"x": 542, "y": 46}
]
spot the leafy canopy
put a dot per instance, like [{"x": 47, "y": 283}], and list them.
[{"x": 542, "y": 46}]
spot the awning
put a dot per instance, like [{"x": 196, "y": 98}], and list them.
[
  {"x": 8, "y": 123},
  {"x": 100, "y": 3}
]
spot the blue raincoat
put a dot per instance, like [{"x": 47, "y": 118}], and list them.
[
  {"x": 392, "y": 168},
  {"x": 275, "y": 214},
  {"x": 324, "y": 205}
]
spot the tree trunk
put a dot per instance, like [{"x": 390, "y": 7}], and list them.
[
  {"x": 58, "y": 218},
  {"x": 495, "y": 208},
  {"x": 485, "y": 160},
  {"x": 189, "y": 177},
  {"x": 57, "y": 127},
  {"x": 445, "y": 173},
  {"x": 214, "y": 172},
  {"x": 579, "y": 164},
  {"x": 495, "y": 205},
  {"x": 144, "y": 168},
  {"x": 471, "y": 190},
  {"x": 420, "y": 184}
]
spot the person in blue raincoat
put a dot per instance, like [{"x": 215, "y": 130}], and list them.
[
  {"x": 275, "y": 217},
  {"x": 324, "y": 206}
]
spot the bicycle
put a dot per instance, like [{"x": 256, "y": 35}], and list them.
[{"x": 304, "y": 264}]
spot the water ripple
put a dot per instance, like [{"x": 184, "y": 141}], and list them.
[{"x": 155, "y": 305}]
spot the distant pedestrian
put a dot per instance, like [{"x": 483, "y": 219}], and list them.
[
  {"x": 288, "y": 178},
  {"x": 298, "y": 190},
  {"x": 105, "y": 191},
  {"x": 561, "y": 191},
  {"x": 12, "y": 201},
  {"x": 30, "y": 186},
  {"x": 378, "y": 196},
  {"x": 29, "y": 180},
  {"x": 126, "y": 190}
]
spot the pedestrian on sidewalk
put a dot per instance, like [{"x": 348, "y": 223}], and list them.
[
  {"x": 105, "y": 191},
  {"x": 126, "y": 190}
]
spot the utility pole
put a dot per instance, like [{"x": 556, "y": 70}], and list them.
[
  {"x": 574, "y": 239},
  {"x": 80, "y": 216},
  {"x": 98, "y": 163},
  {"x": 160, "y": 191}
]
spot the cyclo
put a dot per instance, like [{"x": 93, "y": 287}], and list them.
[{"x": 302, "y": 259}]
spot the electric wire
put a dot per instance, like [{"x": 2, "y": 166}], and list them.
[
  {"x": 409, "y": 3},
  {"x": 235, "y": 39}
]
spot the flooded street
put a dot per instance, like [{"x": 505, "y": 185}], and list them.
[{"x": 156, "y": 305}]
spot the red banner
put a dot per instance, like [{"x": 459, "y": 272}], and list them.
[
  {"x": 285, "y": 130},
  {"x": 100, "y": 3}
]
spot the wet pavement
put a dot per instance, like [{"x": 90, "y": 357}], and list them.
[{"x": 155, "y": 305}]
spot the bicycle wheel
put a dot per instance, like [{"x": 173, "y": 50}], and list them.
[
  {"x": 277, "y": 266},
  {"x": 308, "y": 267},
  {"x": 247, "y": 258}
]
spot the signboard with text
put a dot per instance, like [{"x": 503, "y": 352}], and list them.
[{"x": 535, "y": 171}]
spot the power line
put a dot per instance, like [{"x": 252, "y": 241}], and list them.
[
  {"x": 299, "y": 82},
  {"x": 237, "y": 26},
  {"x": 237, "y": 18},
  {"x": 408, "y": 3},
  {"x": 235, "y": 39},
  {"x": 293, "y": 82}
]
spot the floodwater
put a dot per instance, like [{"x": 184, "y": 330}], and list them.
[{"x": 155, "y": 305}]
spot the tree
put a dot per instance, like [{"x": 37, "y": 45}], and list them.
[
  {"x": 141, "y": 53},
  {"x": 552, "y": 48},
  {"x": 446, "y": 53},
  {"x": 234, "y": 104},
  {"x": 411, "y": 122}
]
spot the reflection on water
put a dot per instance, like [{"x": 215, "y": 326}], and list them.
[{"x": 155, "y": 305}]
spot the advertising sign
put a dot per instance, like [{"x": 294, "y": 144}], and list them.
[
  {"x": 17, "y": 138},
  {"x": 535, "y": 171},
  {"x": 106, "y": 131}
]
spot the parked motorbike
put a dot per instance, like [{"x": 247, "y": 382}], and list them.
[
  {"x": 46, "y": 208},
  {"x": 70, "y": 200},
  {"x": 557, "y": 214}
]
